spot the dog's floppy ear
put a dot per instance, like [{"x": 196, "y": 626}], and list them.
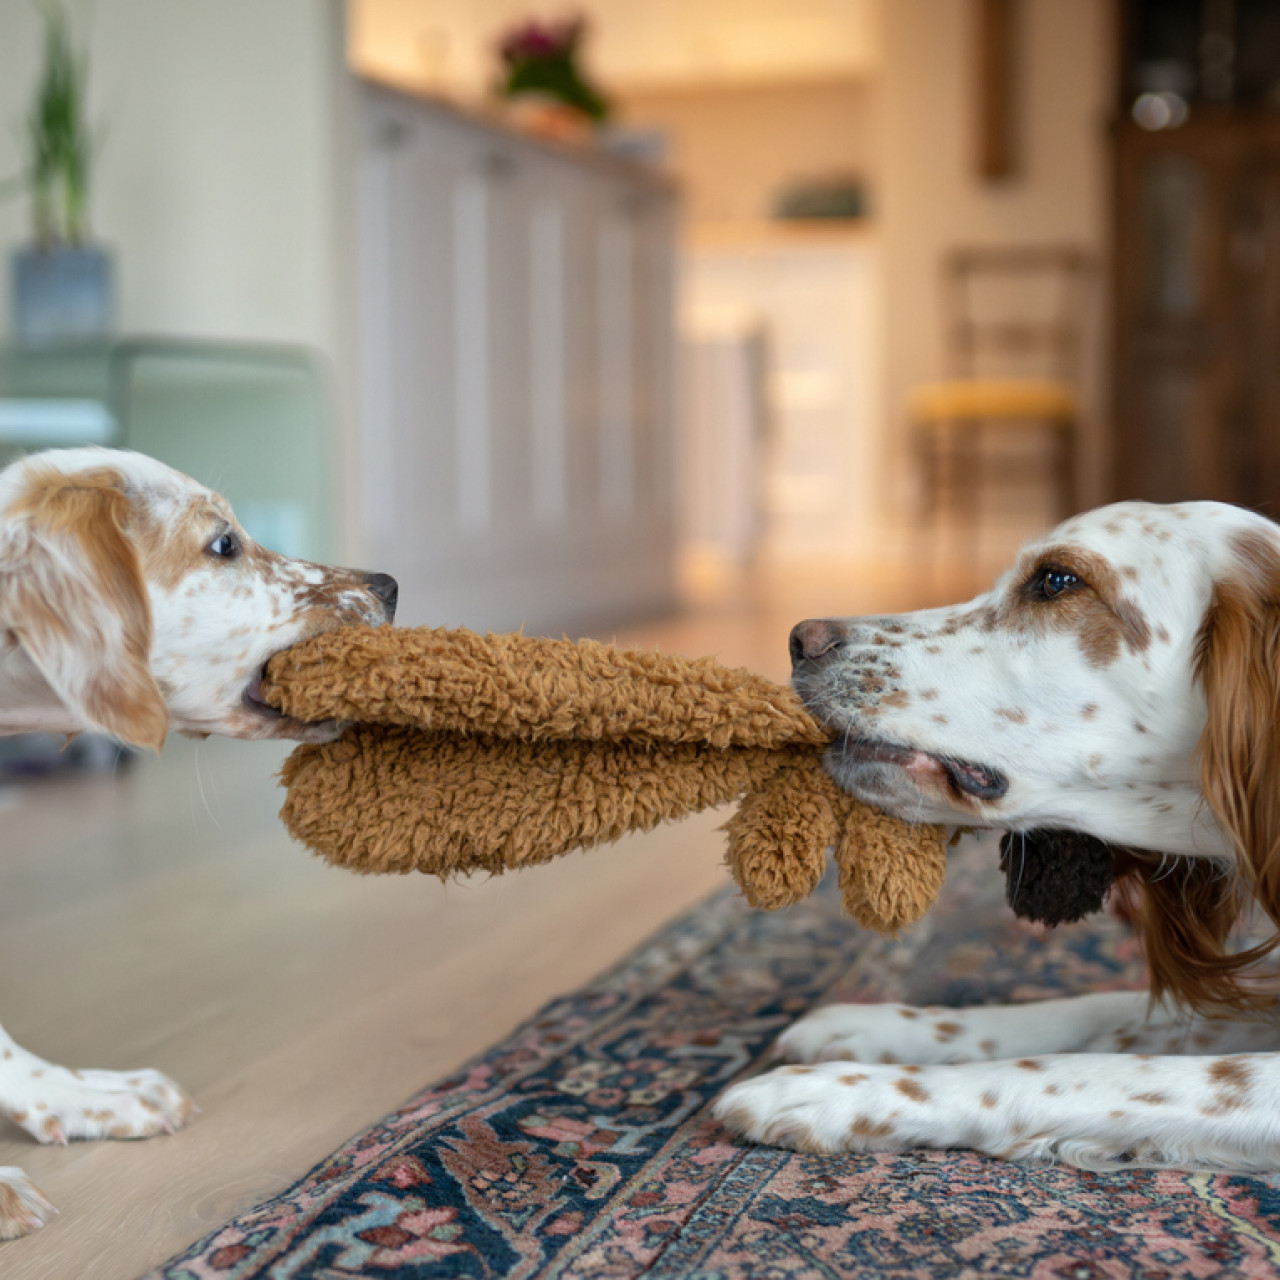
[
  {"x": 1238, "y": 666},
  {"x": 1185, "y": 913},
  {"x": 71, "y": 591}
]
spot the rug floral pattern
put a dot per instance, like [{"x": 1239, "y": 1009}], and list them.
[{"x": 583, "y": 1147}]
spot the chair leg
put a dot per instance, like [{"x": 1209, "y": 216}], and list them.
[
  {"x": 965, "y": 479},
  {"x": 947, "y": 518},
  {"x": 924, "y": 445},
  {"x": 1068, "y": 480}
]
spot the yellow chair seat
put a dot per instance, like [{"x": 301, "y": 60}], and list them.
[{"x": 993, "y": 398}]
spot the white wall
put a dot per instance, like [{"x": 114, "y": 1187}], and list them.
[
  {"x": 929, "y": 195},
  {"x": 736, "y": 149},
  {"x": 216, "y": 174},
  {"x": 223, "y": 182}
]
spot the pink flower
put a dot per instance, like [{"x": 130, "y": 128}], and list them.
[{"x": 534, "y": 41}]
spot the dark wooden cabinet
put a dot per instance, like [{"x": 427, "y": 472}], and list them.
[{"x": 1197, "y": 311}]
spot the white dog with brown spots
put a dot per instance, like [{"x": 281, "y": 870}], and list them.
[
  {"x": 132, "y": 603},
  {"x": 1122, "y": 680}
]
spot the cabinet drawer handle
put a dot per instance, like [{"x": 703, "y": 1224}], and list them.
[
  {"x": 392, "y": 134},
  {"x": 499, "y": 166}
]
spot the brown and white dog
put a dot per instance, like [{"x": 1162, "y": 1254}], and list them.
[
  {"x": 1122, "y": 680},
  {"x": 132, "y": 603}
]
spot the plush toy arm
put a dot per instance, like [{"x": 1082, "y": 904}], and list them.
[
  {"x": 529, "y": 687},
  {"x": 399, "y": 800}
]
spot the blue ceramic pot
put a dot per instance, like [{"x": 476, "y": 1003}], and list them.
[{"x": 61, "y": 294}]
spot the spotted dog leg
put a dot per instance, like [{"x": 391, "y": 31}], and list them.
[
  {"x": 1091, "y": 1110},
  {"x": 900, "y": 1033},
  {"x": 55, "y": 1104}
]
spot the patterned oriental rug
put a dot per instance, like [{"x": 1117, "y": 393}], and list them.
[{"x": 582, "y": 1146}]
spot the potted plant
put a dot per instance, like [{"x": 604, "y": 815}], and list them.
[
  {"x": 542, "y": 79},
  {"x": 61, "y": 283}
]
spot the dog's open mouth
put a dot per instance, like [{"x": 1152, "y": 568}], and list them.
[
  {"x": 276, "y": 724},
  {"x": 965, "y": 777},
  {"x": 253, "y": 699}
]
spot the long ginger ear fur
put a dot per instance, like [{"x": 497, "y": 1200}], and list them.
[
  {"x": 1188, "y": 910},
  {"x": 72, "y": 592}
]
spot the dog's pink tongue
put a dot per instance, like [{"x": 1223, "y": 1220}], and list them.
[{"x": 921, "y": 765}]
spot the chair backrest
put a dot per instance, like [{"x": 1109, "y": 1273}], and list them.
[{"x": 1016, "y": 311}]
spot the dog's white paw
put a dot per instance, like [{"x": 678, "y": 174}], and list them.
[
  {"x": 881, "y": 1033},
  {"x": 22, "y": 1206},
  {"x": 826, "y": 1108},
  {"x": 56, "y": 1104}
]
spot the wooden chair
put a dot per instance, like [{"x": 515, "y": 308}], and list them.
[{"x": 1014, "y": 320}]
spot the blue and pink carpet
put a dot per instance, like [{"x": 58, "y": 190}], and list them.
[{"x": 583, "y": 1145}]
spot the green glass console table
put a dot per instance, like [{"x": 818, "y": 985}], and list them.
[{"x": 251, "y": 420}]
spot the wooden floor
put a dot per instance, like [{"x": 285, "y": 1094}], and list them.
[{"x": 162, "y": 918}]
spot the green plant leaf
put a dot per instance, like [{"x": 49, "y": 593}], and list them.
[{"x": 59, "y": 139}]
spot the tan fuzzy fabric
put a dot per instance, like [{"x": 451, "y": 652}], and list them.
[
  {"x": 886, "y": 882},
  {"x": 515, "y": 686},
  {"x": 778, "y": 839},
  {"x": 484, "y": 753},
  {"x": 490, "y": 804}
]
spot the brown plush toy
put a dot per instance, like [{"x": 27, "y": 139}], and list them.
[{"x": 483, "y": 753}]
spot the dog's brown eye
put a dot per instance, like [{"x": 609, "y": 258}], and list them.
[
  {"x": 1053, "y": 582},
  {"x": 225, "y": 545}
]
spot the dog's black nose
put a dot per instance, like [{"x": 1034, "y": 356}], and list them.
[
  {"x": 815, "y": 638},
  {"x": 385, "y": 587}
]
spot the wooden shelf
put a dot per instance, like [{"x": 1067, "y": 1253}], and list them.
[{"x": 771, "y": 233}]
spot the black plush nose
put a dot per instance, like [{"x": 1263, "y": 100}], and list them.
[
  {"x": 385, "y": 587},
  {"x": 815, "y": 638}
]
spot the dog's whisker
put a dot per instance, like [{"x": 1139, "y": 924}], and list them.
[
  {"x": 200, "y": 783},
  {"x": 1022, "y": 863}
]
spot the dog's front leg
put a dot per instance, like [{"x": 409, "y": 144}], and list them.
[
  {"x": 1112, "y": 1020},
  {"x": 1091, "y": 1110},
  {"x": 56, "y": 1104}
]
